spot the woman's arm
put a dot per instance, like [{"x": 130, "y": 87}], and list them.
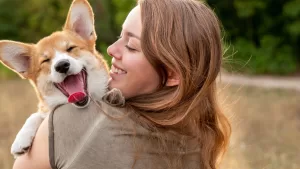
[{"x": 38, "y": 156}]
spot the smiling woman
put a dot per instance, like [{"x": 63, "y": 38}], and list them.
[
  {"x": 131, "y": 71},
  {"x": 165, "y": 64}
]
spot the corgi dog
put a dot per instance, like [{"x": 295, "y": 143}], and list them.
[{"x": 63, "y": 68}]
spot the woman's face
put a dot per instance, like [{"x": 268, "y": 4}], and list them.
[{"x": 131, "y": 72}]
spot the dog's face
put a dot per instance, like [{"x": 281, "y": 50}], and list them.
[{"x": 64, "y": 67}]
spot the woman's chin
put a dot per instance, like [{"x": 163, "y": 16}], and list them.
[
  {"x": 111, "y": 84},
  {"x": 114, "y": 84}
]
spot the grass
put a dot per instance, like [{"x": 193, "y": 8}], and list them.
[
  {"x": 266, "y": 128},
  {"x": 5, "y": 73},
  {"x": 17, "y": 102}
]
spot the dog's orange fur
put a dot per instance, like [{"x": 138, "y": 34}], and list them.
[{"x": 45, "y": 49}]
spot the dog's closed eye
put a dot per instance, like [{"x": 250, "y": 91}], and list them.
[
  {"x": 45, "y": 60},
  {"x": 71, "y": 48}
]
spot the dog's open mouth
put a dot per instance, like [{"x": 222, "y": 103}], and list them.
[{"x": 75, "y": 88}]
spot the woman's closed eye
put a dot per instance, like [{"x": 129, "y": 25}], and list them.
[{"x": 130, "y": 49}]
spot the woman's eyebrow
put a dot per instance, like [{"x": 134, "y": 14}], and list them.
[{"x": 130, "y": 34}]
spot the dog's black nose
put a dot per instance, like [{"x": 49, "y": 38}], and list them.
[{"x": 62, "y": 66}]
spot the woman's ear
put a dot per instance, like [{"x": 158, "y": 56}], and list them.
[{"x": 173, "y": 78}]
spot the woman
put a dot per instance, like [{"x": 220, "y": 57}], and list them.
[{"x": 165, "y": 63}]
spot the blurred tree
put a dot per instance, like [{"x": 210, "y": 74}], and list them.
[
  {"x": 32, "y": 20},
  {"x": 264, "y": 35}
]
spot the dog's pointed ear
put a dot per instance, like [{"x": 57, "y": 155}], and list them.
[
  {"x": 16, "y": 56},
  {"x": 81, "y": 20}
]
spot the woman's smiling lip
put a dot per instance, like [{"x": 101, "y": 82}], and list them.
[
  {"x": 118, "y": 67},
  {"x": 116, "y": 76},
  {"x": 116, "y": 70}
]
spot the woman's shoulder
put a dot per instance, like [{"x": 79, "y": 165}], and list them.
[
  {"x": 90, "y": 136},
  {"x": 73, "y": 121},
  {"x": 100, "y": 113}
]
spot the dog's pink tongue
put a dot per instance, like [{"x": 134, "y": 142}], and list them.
[
  {"x": 74, "y": 86},
  {"x": 76, "y": 97}
]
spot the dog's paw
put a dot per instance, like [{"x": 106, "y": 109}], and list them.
[
  {"x": 21, "y": 145},
  {"x": 27, "y": 133},
  {"x": 114, "y": 97}
]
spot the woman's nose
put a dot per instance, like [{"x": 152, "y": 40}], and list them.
[{"x": 114, "y": 52}]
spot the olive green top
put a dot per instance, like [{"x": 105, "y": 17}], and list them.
[{"x": 89, "y": 139}]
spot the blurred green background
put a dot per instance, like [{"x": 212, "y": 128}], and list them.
[
  {"x": 261, "y": 37},
  {"x": 31, "y": 20}
]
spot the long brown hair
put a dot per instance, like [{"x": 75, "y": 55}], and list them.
[{"x": 184, "y": 36}]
